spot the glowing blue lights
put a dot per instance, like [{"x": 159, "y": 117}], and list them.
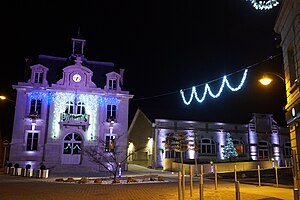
[
  {"x": 207, "y": 89},
  {"x": 39, "y": 95},
  {"x": 264, "y": 4}
]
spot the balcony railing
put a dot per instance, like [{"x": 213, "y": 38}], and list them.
[{"x": 75, "y": 119}]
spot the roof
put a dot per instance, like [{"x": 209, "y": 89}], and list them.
[{"x": 56, "y": 65}]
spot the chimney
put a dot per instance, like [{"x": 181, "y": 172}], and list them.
[{"x": 121, "y": 73}]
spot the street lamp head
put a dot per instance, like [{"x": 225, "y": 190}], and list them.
[
  {"x": 265, "y": 80},
  {"x": 2, "y": 97}
]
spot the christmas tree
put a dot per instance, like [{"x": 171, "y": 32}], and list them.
[{"x": 229, "y": 149}]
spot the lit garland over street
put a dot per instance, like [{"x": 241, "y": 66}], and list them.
[
  {"x": 264, "y": 5},
  {"x": 207, "y": 89}
]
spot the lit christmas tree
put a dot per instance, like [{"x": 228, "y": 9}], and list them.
[{"x": 229, "y": 149}]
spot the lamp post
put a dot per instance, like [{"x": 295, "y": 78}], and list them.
[{"x": 266, "y": 79}]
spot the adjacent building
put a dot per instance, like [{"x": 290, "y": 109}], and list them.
[
  {"x": 288, "y": 26},
  {"x": 69, "y": 104},
  {"x": 157, "y": 141}
]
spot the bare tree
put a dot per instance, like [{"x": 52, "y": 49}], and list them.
[{"x": 108, "y": 155}]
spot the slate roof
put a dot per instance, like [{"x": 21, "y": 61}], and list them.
[{"x": 56, "y": 65}]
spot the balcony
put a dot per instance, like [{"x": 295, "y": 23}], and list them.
[{"x": 75, "y": 120}]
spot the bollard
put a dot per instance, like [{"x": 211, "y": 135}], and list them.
[
  {"x": 183, "y": 183},
  {"x": 179, "y": 185},
  {"x": 216, "y": 177},
  {"x": 235, "y": 175},
  {"x": 296, "y": 194},
  {"x": 276, "y": 175},
  {"x": 191, "y": 181},
  {"x": 201, "y": 183},
  {"x": 237, "y": 190},
  {"x": 258, "y": 175}
]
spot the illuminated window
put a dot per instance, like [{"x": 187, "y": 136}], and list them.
[
  {"x": 287, "y": 151},
  {"x": 207, "y": 147},
  {"x": 35, "y": 107},
  {"x": 112, "y": 84},
  {"x": 111, "y": 113},
  {"x": 263, "y": 150},
  {"x": 239, "y": 147},
  {"x": 32, "y": 141},
  {"x": 38, "y": 77},
  {"x": 110, "y": 142}
]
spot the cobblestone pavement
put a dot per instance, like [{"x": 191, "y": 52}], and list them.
[{"x": 23, "y": 188}]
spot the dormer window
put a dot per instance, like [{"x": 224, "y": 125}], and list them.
[
  {"x": 38, "y": 77},
  {"x": 112, "y": 84}
]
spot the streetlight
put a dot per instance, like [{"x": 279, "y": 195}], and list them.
[
  {"x": 266, "y": 79},
  {"x": 5, "y": 98}
]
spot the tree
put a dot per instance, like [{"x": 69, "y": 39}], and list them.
[
  {"x": 229, "y": 151},
  {"x": 108, "y": 155}
]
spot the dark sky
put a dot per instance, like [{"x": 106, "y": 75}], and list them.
[{"x": 164, "y": 46}]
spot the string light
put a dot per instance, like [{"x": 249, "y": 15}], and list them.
[
  {"x": 207, "y": 89},
  {"x": 264, "y": 4}
]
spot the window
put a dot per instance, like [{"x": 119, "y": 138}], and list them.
[
  {"x": 38, "y": 77},
  {"x": 112, "y": 84},
  {"x": 207, "y": 147},
  {"x": 263, "y": 150},
  {"x": 110, "y": 142},
  {"x": 32, "y": 141},
  {"x": 72, "y": 144},
  {"x": 287, "y": 152},
  {"x": 111, "y": 113},
  {"x": 80, "y": 108},
  {"x": 239, "y": 147},
  {"x": 69, "y": 107},
  {"x": 291, "y": 64},
  {"x": 35, "y": 107}
]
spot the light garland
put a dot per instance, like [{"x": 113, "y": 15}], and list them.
[
  {"x": 207, "y": 89},
  {"x": 264, "y": 4}
]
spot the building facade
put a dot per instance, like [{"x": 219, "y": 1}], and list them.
[
  {"x": 260, "y": 139},
  {"x": 69, "y": 104},
  {"x": 288, "y": 26}
]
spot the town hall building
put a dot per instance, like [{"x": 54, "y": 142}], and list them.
[{"x": 69, "y": 104}]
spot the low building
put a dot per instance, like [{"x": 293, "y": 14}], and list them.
[{"x": 260, "y": 139}]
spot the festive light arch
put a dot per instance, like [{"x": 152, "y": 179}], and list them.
[
  {"x": 264, "y": 4},
  {"x": 208, "y": 90}
]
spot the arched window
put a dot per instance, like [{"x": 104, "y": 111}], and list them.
[
  {"x": 239, "y": 147},
  {"x": 263, "y": 150},
  {"x": 207, "y": 147},
  {"x": 69, "y": 107},
  {"x": 80, "y": 108}
]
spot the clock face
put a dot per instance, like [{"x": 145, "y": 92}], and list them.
[{"x": 77, "y": 78}]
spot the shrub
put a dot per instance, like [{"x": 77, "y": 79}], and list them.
[
  {"x": 9, "y": 165},
  {"x": 98, "y": 180},
  {"x": 28, "y": 166},
  {"x": 16, "y": 165}
]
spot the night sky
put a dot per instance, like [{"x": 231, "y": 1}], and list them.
[{"x": 164, "y": 46}]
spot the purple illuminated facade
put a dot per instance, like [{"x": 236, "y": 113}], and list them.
[
  {"x": 260, "y": 139},
  {"x": 66, "y": 105}
]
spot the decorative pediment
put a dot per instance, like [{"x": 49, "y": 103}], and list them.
[{"x": 76, "y": 76}]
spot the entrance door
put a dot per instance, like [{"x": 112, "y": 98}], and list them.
[{"x": 72, "y": 149}]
